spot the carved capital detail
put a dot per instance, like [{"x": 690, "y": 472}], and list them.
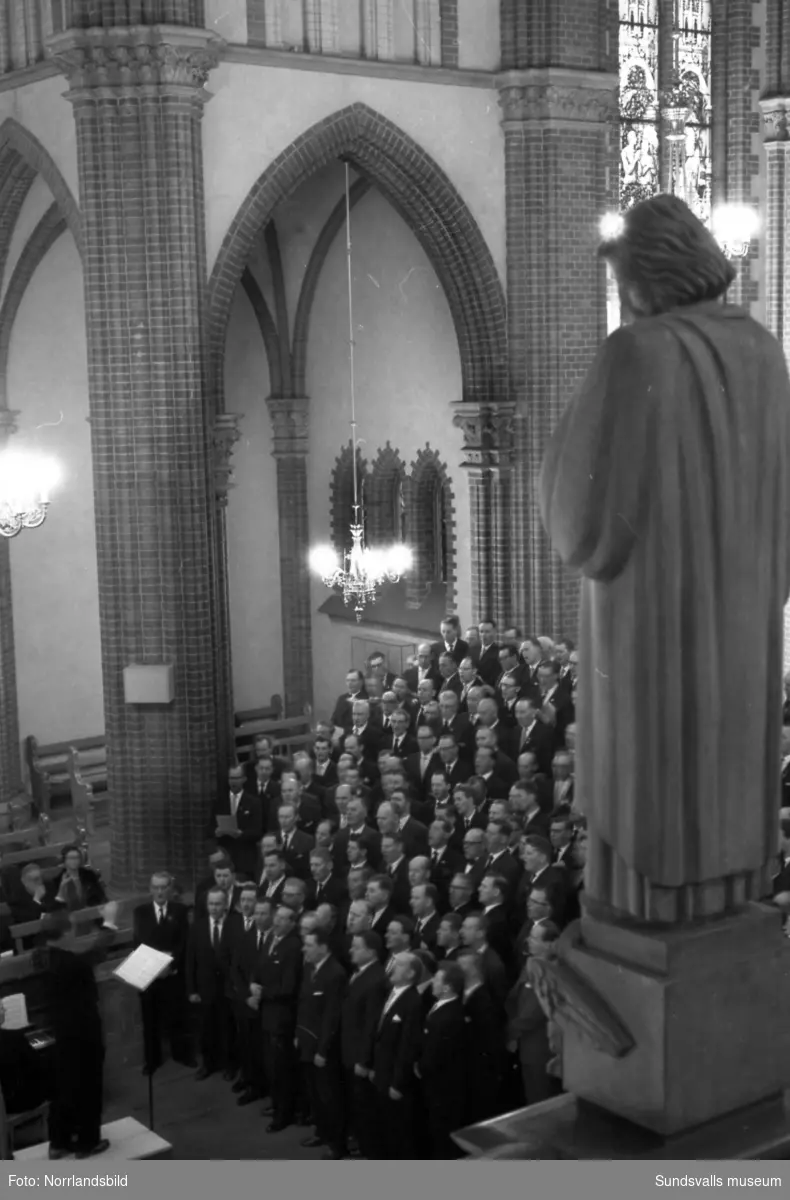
[
  {"x": 290, "y": 425},
  {"x": 224, "y": 435},
  {"x": 584, "y": 97},
  {"x": 775, "y": 110},
  {"x": 116, "y": 60},
  {"x": 8, "y": 425},
  {"x": 489, "y": 434}
]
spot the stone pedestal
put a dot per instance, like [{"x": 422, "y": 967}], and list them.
[{"x": 706, "y": 1006}]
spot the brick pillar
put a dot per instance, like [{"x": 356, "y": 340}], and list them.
[
  {"x": 560, "y": 176},
  {"x": 488, "y": 457},
  {"x": 10, "y": 766},
  {"x": 290, "y": 423},
  {"x": 775, "y": 106},
  {"x": 137, "y": 94}
]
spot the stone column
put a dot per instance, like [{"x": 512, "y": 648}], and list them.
[
  {"x": 777, "y": 277},
  {"x": 10, "y": 766},
  {"x": 560, "y": 176},
  {"x": 290, "y": 423},
  {"x": 488, "y": 457},
  {"x": 137, "y": 93}
]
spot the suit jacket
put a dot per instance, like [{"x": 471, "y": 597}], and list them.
[
  {"x": 201, "y": 896},
  {"x": 342, "y": 716},
  {"x": 415, "y": 838},
  {"x": 488, "y": 667},
  {"x": 442, "y": 1058},
  {"x": 538, "y": 741},
  {"x": 329, "y": 778},
  {"x": 91, "y": 889},
  {"x": 538, "y": 824},
  {"x": 169, "y": 935},
  {"x": 397, "y": 1044},
  {"x": 459, "y": 652},
  {"x": 70, "y": 989},
  {"x": 422, "y": 781},
  {"x": 380, "y": 922},
  {"x": 370, "y": 838},
  {"x": 276, "y": 892},
  {"x": 461, "y": 729},
  {"x": 485, "y": 1052},
  {"x": 451, "y": 863},
  {"x": 332, "y": 891},
  {"x": 528, "y": 1025},
  {"x": 412, "y": 677},
  {"x": 269, "y": 799},
  {"x": 243, "y": 850},
  {"x": 278, "y": 970},
  {"x": 244, "y": 955},
  {"x": 425, "y": 938},
  {"x": 24, "y": 909},
  {"x": 407, "y": 747},
  {"x": 298, "y": 853},
  {"x": 475, "y": 871},
  {"x": 369, "y": 740},
  {"x": 208, "y": 972},
  {"x": 508, "y": 867},
  {"x": 452, "y": 684},
  {"x": 310, "y": 813},
  {"x": 401, "y": 894},
  {"x": 360, "y": 1015},
  {"x": 318, "y": 1013},
  {"x": 500, "y": 936}
]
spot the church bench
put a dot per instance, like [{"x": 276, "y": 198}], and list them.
[
  {"x": 287, "y": 733},
  {"x": 84, "y": 916},
  {"x": 34, "y": 854},
  {"x": 47, "y": 766}
]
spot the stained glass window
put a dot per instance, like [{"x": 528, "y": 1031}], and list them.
[{"x": 644, "y": 45}]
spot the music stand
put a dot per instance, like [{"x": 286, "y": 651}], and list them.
[{"x": 139, "y": 970}]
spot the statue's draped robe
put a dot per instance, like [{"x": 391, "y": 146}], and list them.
[{"x": 667, "y": 485}]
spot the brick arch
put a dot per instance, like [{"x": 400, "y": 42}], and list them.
[
  {"x": 387, "y": 471},
  {"x": 23, "y": 156},
  {"x": 429, "y": 473},
  {"x": 38, "y": 245},
  {"x": 429, "y": 203}
]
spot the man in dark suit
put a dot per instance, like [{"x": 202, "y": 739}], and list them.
[
  {"x": 493, "y": 894},
  {"x": 446, "y": 861},
  {"x": 422, "y": 765},
  {"x": 365, "y": 731},
  {"x": 208, "y": 985},
  {"x": 274, "y": 873},
  {"x": 536, "y": 855},
  {"x": 72, "y": 1001},
  {"x": 485, "y": 1049},
  {"x": 396, "y": 865},
  {"x": 488, "y": 663},
  {"x": 267, "y": 789},
  {"x": 426, "y": 668},
  {"x": 395, "y": 1051},
  {"x": 500, "y": 861},
  {"x": 451, "y": 641},
  {"x": 378, "y": 893},
  {"x": 163, "y": 924},
  {"x": 424, "y": 907},
  {"x": 441, "y": 1063},
  {"x": 356, "y": 826},
  {"x": 456, "y": 723},
  {"x": 555, "y": 700},
  {"x": 293, "y": 844},
  {"x": 528, "y": 1025},
  {"x": 224, "y": 878},
  {"x": 318, "y": 1041},
  {"x": 360, "y": 1016},
  {"x": 451, "y": 680},
  {"x": 397, "y": 738},
  {"x": 277, "y": 978},
  {"x": 239, "y": 844},
  {"x": 496, "y": 785},
  {"x": 475, "y": 855},
  {"x": 474, "y": 935},
  {"x": 456, "y": 769},
  {"x": 248, "y": 947},
  {"x": 307, "y": 804},
  {"x": 533, "y": 735},
  {"x": 325, "y": 767},
  {"x": 462, "y": 895},
  {"x": 377, "y": 665},
  {"x": 342, "y": 714},
  {"x": 324, "y": 887}
]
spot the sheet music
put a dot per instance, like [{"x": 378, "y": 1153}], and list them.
[
  {"x": 15, "y": 1008},
  {"x": 226, "y": 823},
  {"x": 143, "y": 966}
]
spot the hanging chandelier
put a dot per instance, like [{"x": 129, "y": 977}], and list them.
[
  {"x": 26, "y": 481},
  {"x": 360, "y": 572}
]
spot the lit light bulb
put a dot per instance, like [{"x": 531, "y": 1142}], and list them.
[
  {"x": 399, "y": 559},
  {"x": 611, "y": 226},
  {"x": 323, "y": 560},
  {"x": 734, "y": 225}
]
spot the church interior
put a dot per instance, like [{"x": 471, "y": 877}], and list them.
[{"x": 293, "y": 294}]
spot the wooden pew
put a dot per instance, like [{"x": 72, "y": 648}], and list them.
[
  {"x": 288, "y": 734},
  {"x": 34, "y": 854},
  {"x": 47, "y": 766}
]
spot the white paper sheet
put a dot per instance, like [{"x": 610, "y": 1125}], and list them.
[
  {"x": 15, "y": 1012},
  {"x": 143, "y": 966}
]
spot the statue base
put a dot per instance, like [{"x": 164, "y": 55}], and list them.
[
  {"x": 706, "y": 1005},
  {"x": 567, "y": 1128}
]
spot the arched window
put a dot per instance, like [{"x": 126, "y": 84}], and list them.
[
  {"x": 384, "y": 502},
  {"x": 665, "y": 102},
  {"x": 430, "y": 530},
  {"x": 342, "y": 497}
]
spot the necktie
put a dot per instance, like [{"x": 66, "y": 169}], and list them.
[
  {"x": 247, "y": 924},
  {"x": 260, "y": 789},
  {"x": 435, "y": 856},
  {"x": 158, "y": 915},
  {"x": 215, "y": 937},
  {"x": 260, "y": 939}
]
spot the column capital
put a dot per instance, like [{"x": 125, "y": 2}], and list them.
[
  {"x": 114, "y": 62},
  {"x": 775, "y": 110},
  {"x": 559, "y": 95},
  {"x": 290, "y": 425},
  {"x": 224, "y": 435},
  {"x": 488, "y": 433}
]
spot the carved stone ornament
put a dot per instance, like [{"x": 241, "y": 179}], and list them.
[
  {"x": 290, "y": 424},
  {"x": 775, "y": 118},
  {"x": 489, "y": 433},
  {"x": 590, "y": 99},
  {"x": 135, "y": 56},
  {"x": 570, "y": 1002},
  {"x": 225, "y": 434}
]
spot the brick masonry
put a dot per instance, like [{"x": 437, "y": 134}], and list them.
[
  {"x": 140, "y": 172},
  {"x": 775, "y": 105}
]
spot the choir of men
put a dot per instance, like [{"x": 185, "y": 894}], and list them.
[{"x": 358, "y": 953}]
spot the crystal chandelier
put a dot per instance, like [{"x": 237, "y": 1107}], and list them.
[
  {"x": 734, "y": 226},
  {"x": 361, "y": 571},
  {"x": 26, "y": 481}
]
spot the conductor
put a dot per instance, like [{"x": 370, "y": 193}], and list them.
[{"x": 72, "y": 998}]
